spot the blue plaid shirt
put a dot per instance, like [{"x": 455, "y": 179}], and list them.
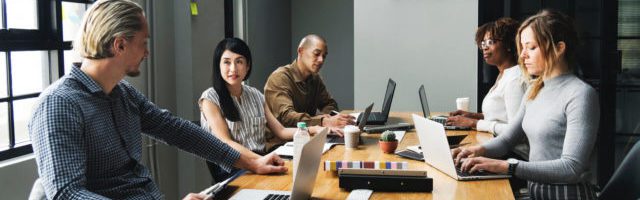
[{"x": 88, "y": 144}]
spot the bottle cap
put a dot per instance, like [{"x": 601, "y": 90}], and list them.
[{"x": 302, "y": 125}]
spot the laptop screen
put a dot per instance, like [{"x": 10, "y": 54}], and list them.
[
  {"x": 388, "y": 97},
  {"x": 365, "y": 117},
  {"x": 423, "y": 102}
]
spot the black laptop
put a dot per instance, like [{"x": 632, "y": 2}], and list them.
[
  {"x": 340, "y": 140},
  {"x": 427, "y": 114},
  {"x": 380, "y": 118}
]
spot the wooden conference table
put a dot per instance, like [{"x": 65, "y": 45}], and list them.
[{"x": 326, "y": 186}]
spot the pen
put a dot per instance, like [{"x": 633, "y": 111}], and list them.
[{"x": 334, "y": 113}]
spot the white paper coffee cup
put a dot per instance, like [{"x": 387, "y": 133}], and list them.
[
  {"x": 462, "y": 103},
  {"x": 351, "y": 136}
]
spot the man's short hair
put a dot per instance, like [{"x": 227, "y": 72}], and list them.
[{"x": 103, "y": 23}]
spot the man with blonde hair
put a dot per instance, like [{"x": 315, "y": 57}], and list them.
[{"x": 86, "y": 127}]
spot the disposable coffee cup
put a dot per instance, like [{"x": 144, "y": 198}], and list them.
[
  {"x": 462, "y": 103},
  {"x": 351, "y": 136}
]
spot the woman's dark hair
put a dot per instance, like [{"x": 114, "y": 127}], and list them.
[
  {"x": 235, "y": 45},
  {"x": 504, "y": 30}
]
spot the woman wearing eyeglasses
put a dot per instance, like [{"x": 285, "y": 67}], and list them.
[
  {"x": 496, "y": 41},
  {"x": 559, "y": 117}
]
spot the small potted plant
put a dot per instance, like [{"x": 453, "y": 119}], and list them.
[{"x": 388, "y": 142}]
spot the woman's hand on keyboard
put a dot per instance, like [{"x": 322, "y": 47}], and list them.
[
  {"x": 476, "y": 164},
  {"x": 461, "y": 121},
  {"x": 466, "y": 152}
]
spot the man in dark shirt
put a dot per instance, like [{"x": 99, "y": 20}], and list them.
[
  {"x": 295, "y": 92},
  {"x": 86, "y": 128}
]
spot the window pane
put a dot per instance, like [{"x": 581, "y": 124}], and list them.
[
  {"x": 71, "y": 17},
  {"x": 28, "y": 71},
  {"x": 70, "y": 57},
  {"x": 3, "y": 75},
  {"x": 630, "y": 53},
  {"x": 4, "y": 126},
  {"x": 22, "y": 14},
  {"x": 1, "y": 17},
  {"x": 21, "y": 116}
]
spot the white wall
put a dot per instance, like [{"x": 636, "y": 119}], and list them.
[
  {"x": 415, "y": 42},
  {"x": 17, "y": 176}
]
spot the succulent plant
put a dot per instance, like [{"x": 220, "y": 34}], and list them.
[{"x": 388, "y": 136}]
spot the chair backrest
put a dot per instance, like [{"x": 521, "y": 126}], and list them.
[
  {"x": 37, "y": 192},
  {"x": 625, "y": 182}
]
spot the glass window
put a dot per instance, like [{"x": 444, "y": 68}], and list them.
[
  {"x": 22, "y": 110},
  {"x": 3, "y": 75},
  {"x": 28, "y": 71},
  {"x": 22, "y": 14},
  {"x": 4, "y": 126},
  {"x": 71, "y": 17},
  {"x": 1, "y": 17},
  {"x": 70, "y": 57},
  {"x": 630, "y": 49}
]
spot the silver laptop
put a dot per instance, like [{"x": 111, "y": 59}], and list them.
[
  {"x": 305, "y": 178},
  {"x": 436, "y": 152},
  {"x": 427, "y": 113}
]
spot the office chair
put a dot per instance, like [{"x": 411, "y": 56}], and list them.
[
  {"x": 625, "y": 181},
  {"x": 214, "y": 169}
]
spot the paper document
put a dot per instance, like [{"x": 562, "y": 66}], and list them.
[{"x": 286, "y": 150}]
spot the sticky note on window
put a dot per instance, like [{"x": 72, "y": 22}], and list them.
[{"x": 194, "y": 8}]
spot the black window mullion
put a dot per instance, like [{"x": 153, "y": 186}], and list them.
[
  {"x": 12, "y": 136},
  {"x": 58, "y": 35}
]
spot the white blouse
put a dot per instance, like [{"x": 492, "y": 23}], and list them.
[
  {"x": 250, "y": 130},
  {"x": 503, "y": 100}
]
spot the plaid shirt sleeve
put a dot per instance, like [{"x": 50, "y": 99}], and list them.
[
  {"x": 57, "y": 139},
  {"x": 160, "y": 124}
]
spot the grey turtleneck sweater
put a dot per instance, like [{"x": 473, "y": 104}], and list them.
[{"x": 561, "y": 124}]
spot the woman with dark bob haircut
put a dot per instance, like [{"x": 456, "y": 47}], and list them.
[
  {"x": 234, "y": 112},
  {"x": 559, "y": 116}
]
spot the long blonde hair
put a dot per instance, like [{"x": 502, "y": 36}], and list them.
[
  {"x": 103, "y": 22},
  {"x": 549, "y": 28}
]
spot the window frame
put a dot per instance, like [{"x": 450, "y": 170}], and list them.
[{"x": 48, "y": 37}]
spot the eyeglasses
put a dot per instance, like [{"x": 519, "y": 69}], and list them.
[{"x": 487, "y": 43}]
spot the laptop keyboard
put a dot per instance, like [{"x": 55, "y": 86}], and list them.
[
  {"x": 442, "y": 120},
  {"x": 277, "y": 197},
  {"x": 477, "y": 173}
]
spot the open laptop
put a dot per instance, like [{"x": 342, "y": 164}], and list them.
[
  {"x": 305, "y": 176},
  {"x": 380, "y": 118},
  {"x": 340, "y": 140},
  {"x": 436, "y": 152},
  {"x": 440, "y": 119}
]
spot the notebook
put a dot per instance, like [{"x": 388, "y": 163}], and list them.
[
  {"x": 436, "y": 152},
  {"x": 380, "y": 118},
  {"x": 305, "y": 178},
  {"x": 440, "y": 119}
]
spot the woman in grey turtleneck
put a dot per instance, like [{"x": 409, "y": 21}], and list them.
[{"x": 559, "y": 116}]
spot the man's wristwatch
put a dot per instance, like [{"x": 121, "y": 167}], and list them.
[{"x": 512, "y": 166}]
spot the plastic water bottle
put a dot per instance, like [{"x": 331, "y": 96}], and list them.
[{"x": 300, "y": 137}]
